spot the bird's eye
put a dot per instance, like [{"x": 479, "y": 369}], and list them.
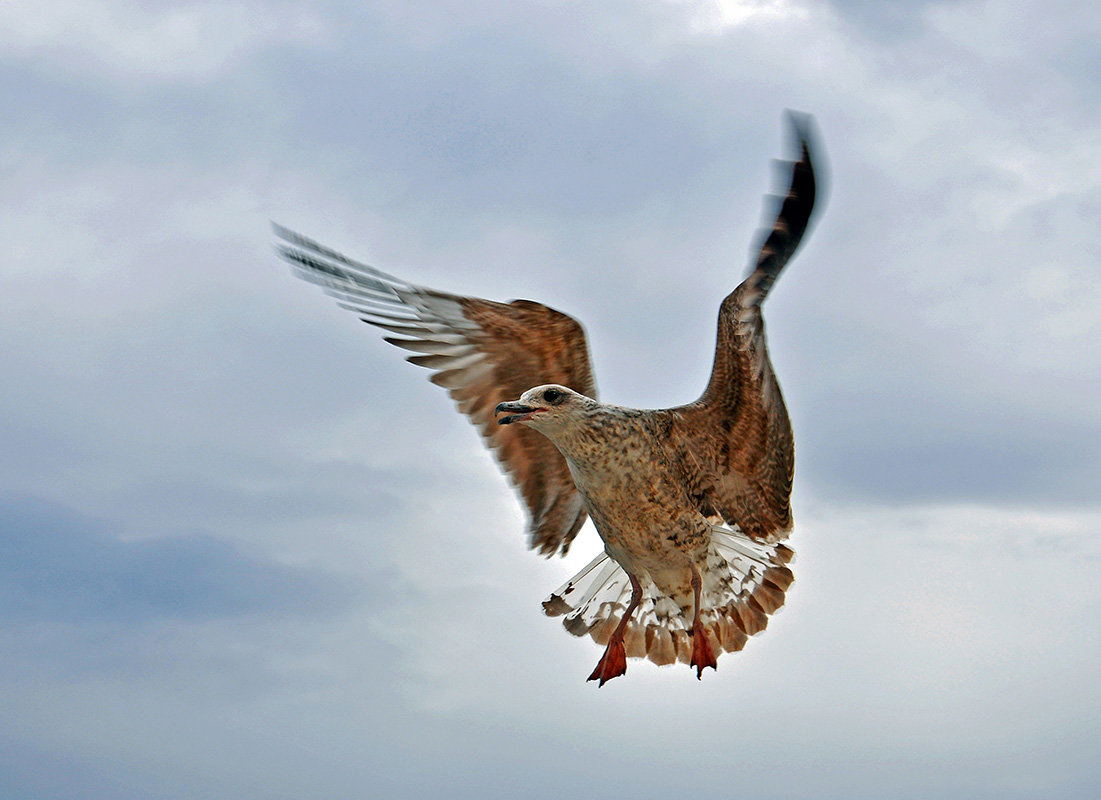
[{"x": 552, "y": 395}]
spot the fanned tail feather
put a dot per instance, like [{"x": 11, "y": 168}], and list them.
[{"x": 743, "y": 585}]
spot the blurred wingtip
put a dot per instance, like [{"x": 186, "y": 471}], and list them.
[
  {"x": 803, "y": 128},
  {"x": 802, "y": 124}
]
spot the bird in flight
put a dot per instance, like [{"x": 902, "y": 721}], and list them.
[{"x": 692, "y": 503}]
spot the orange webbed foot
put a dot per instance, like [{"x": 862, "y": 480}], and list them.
[
  {"x": 703, "y": 654},
  {"x": 612, "y": 664}
]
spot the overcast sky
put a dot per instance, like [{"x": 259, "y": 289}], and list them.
[{"x": 247, "y": 552}]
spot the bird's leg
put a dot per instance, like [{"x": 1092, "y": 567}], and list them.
[
  {"x": 703, "y": 655},
  {"x": 614, "y": 661}
]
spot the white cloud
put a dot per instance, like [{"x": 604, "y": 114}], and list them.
[{"x": 715, "y": 16}]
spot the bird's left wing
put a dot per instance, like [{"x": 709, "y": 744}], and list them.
[{"x": 484, "y": 353}]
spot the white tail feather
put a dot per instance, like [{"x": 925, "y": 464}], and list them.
[{"x": 744, "y": 581}]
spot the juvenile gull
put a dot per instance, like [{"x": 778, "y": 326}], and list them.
[{"x": 692, "y": 502}]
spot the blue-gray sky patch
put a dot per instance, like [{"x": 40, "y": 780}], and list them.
[{"x": 56, "y": 565}]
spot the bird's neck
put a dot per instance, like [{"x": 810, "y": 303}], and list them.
[{"x": 599, "y": 441}]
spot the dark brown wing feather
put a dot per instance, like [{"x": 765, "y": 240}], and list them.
[
  {"x": 483, "y": 353},
  {"x": 735, "y": 442}
]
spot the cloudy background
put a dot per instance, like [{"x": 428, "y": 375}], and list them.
[{"x": 246, "y": 551}]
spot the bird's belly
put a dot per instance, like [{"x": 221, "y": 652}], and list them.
[
  {"x": 647, "y": 522},
  {"x": 647, "y": 533}
]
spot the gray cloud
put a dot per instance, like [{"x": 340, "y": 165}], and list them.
[
  {"x": 57, "y": 566},
  {"x": 28, "y": 771}
]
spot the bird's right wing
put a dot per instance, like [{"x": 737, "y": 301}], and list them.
[
  {"x": 484, "y": 353},
  {"x": 736, "y": 438}
]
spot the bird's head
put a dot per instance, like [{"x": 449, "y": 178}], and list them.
[{"x": 544, "y": 407}]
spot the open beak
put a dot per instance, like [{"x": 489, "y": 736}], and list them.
[{"x": 517, "y": 412}]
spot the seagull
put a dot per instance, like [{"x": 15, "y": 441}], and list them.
[{"x": 693, "y": 503}]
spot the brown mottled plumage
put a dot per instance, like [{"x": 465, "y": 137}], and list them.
[
  {"x": 483, "y": 352},
  {"x": 692, "y": 502}
]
